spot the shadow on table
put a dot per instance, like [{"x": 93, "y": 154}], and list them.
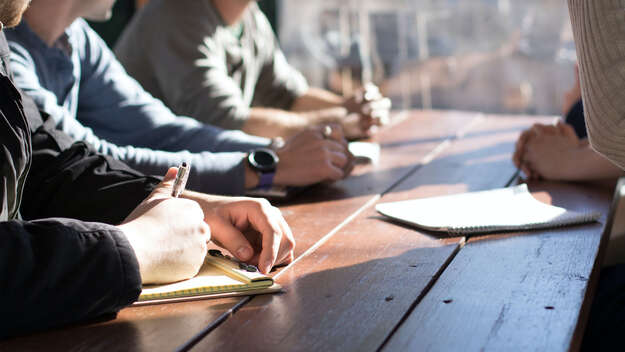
[
  {"x": 478, "y": 165},
  {"x": 144, "y": 332},
  {"x": 353, "y": 307}
]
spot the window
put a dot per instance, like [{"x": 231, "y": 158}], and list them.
[{"x": 497, "y": 56}]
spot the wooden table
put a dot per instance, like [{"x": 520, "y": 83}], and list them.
[{"x": 361, "y": 283}]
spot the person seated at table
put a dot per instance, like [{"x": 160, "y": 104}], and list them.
[
  {"x": 72, "y": 75},
  {"x": 219, "y": 61},
  {"x": 81, "y": 232},
  {"x": 598, "y": 28},
  {"x": 561, "y": 152}
]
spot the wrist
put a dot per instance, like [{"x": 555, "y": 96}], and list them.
[
  {"x": 136, "y": 243},
  {"x": 263, "y": 162},
  {"x": 251, "y": 177}
]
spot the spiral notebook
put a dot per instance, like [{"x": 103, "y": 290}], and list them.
[
  {"x": 220, "y": 276},
  {"x": 498, "y": 210}
]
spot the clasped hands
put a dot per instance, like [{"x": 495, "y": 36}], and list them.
[
  {"x": 547, "y": 151},
  {"x": 366, "y": 109}
]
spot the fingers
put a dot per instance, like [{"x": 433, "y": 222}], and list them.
[
  {"x": 163, "y": 189},
  {"x": 517, "y": 157},
  {"x": 567, "y": 131},
  {"x": 374, "y": 113},
  {"x": 206, "y": 231},
  {"x": 334, "y": 132},
  {"x": 544, "y": 129},
  {"x": 332, "y": 172},
  {"x": 337, "y": 153},
  {"x": 379, "y": 104},
  {"x": 254, "y": 231},
  {"x": 170, "y": 175},
  {"x": 266, "y": 220},
  {"x": 285, "y": 255},
  {"x": 226, "y": 235},
  {"x": 381, "y": 117},
  {"x": 339, "y": 161},
  {"x": 372, "y": 108}
]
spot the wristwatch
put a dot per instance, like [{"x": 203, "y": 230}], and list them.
[{"x": 264, "y": 161}]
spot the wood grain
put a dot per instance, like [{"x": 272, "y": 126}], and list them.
[
  {"x": 352, "y": 292},
  {"x": 147, "y": 328},
  {"x": 522, "y": 291},
  {"x": 313, "y": 215},
  {"x": 318, "y": 211}
]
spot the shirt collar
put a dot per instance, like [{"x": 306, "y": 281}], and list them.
[{"x": 63, "y": 44}]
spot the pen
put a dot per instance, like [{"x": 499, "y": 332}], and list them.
[{"x": 181, "y": 179}]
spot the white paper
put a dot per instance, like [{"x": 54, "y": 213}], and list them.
[{"x": 511, "y": 208}]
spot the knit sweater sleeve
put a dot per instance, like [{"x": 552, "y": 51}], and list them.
[{"x": 599, "y": 30}]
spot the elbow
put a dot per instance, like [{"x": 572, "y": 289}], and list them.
[{"x": 609, "y": 142}]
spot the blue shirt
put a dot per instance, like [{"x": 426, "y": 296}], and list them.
[{"x": 80, "y": 83}]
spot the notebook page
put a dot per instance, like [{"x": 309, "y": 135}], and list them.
[{"x": 500, "y": 209}]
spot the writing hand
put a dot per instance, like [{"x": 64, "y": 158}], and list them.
[{"x": 168, "y": 235}]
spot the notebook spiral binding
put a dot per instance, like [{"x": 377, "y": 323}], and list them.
[{"x": 568, "y": 220}]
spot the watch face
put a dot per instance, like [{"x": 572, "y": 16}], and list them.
[{"x": 264, "y": 160}]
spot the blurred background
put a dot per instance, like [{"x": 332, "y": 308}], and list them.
[
  {"x": 495, "y": 56},
  {"x": 498, "y": 56}
]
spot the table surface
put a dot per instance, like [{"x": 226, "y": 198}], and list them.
[{"x": 361, "y": 283}]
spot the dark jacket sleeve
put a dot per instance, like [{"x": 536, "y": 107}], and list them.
[
  {"x": 71, "y": 180},
  {"x": 59, "y": 271}
]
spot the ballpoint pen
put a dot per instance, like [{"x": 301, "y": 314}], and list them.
[{"x": 181, "y": 179}]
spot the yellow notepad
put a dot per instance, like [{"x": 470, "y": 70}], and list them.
[{"x": 219, "y": 277}]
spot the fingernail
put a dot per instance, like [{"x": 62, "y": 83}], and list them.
[{"x": 244, "y": 253}]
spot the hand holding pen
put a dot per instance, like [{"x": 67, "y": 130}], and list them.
[
  {"x": 168, "y": 234},
  {"x": 181, "y": 180},
  {"x": 251, "y": 229}
]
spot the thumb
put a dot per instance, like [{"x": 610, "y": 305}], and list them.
[
  {"x": 170, "y": 176},
  {"x": 165, "y": 187}
]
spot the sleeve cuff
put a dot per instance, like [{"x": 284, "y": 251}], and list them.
[{"x": 131, "y": 276}]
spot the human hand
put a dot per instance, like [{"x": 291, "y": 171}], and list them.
[
  {"x": 519, "y": 149},
  {"x": 168, "y": 235},
  {"x": 311, "y": 157},
  {"x": 251, "y": 229},
  {"x": 366, "y": 109},
  {"x": 548, "y": 151}
]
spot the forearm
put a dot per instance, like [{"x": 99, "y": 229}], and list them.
[
  {"x": 221, "y": 173},
  {"x": 279, "y": 123},
  {"x": 71, "y": 180},
  {"x": 585, "y": 164},
  {"x": 273, "y": 123},
  {"x": 599, "y": 35},
  {"x": 39, "y": 257},
  {"x": 215, "y": 173},
  {"x": 316, "y": 99}
]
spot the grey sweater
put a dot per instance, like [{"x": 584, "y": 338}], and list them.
[{"x": 184, "y": 54}]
